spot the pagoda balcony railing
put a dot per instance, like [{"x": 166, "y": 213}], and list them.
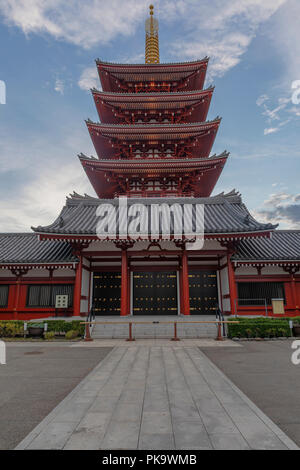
[
  {"x": 154, "y": 153},
  {"x": 149, "y": 194}
]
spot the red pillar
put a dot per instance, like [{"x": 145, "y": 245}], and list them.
[
  {"x": 16, "y": 307},
  {"x": 294, "y": 293},
  {"x": 77, "y": 288},
  {"x": 185, "y": 282},
  {"x": 124, "y": 284},
  {"x": 128, "y": 292},
  {"x": 181, "y": 289},
  {"x": 232, "y": 284}
]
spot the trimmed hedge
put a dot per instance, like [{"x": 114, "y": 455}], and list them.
[
  {"x": 260, "y": 328},
  {"x": 62, "y": 326},
  {"x": 12, "y": 328}
]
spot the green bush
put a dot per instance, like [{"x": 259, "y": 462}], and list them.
[
  {"x": 71, "y": 334},
  {"x": 259, "y": 328},
  {"x": 49, "y": 335},
  {"x": 62, "y": 326},
  {"x": 11, "y": 328}
]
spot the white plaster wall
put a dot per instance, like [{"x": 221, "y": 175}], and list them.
[
  {"x": 37, "y": 273},
  {"x": 104, "y": 264},
  {"x": 6, "y": 273},
  {"x": 154, "y": 263},
  {"x": 203, "y": 262},
  {"x": 85, "y": 283},
  {"x": 223, "y": 274},
  {"x": 246, "y": 271},
  {"x": 213, "y": 245},
  {"x": 64, "y": 273},
  {"x": 102, "y": 246},
  {"x": 273, "y": 270}
]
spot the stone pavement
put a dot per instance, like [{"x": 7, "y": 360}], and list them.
[
  {"x": 155, "y": 326},
  {"x": 156, "y": 397}
]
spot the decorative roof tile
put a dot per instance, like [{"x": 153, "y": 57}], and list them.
[
  {"x": 283, "y": 245},
  {"x": 224, "y": 214},
  {"x": 26, "y": 248}
]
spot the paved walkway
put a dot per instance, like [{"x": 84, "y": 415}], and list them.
[{"x": 156, "y": 397}]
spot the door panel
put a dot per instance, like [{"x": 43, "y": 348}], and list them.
[
  {"x": 155, "y": 293},
  {"x": 107, "y": 293},
  {"x": 203, "y": 292}
]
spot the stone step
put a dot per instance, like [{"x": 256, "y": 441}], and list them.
[{"x": 147, "y": 329}]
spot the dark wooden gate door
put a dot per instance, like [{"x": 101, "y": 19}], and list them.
[
  {"x": 203, "y": 292},
  {"x": 107, "y": 293},
  {"x": 155, "y": 293}
]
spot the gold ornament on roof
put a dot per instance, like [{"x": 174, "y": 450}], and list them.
[{"x": 152, "y": 41}]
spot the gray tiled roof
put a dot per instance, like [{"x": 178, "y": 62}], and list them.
[
  {"x": 283, "y": 245},
  {"x": 26, "y": 248},
  {"x": 224, "y": 213}
]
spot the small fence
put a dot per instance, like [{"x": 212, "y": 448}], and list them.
[
  {"x": 250, "y": 303},
  {"x": 219, "y": 323}
]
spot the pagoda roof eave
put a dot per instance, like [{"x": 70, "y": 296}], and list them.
[
  {"x": 154, "y": 164},
  {"x": 149, "y": 96},
  {"x": 152, "y": 66},
  {"x": 153, "y": 127}
]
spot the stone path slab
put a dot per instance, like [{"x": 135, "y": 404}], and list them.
[{"x": 156, "y": 397}]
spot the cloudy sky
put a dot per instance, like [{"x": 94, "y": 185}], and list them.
[{"x": 47, "y": 57}]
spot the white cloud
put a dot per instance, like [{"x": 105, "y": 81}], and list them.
[
  {"x": 281, "y": 208},
  {"x": 42, "y": 197},
  {"x": 89, "y": 79},
  {"x": 261, "y": 99},
  {"x": 271, "y": 130},
  {"x": 59, "y": 86},
  {"x": 84, "y": 23},
  {"x": 224, "y": 52},
  {"x": 222, "y": 29}
]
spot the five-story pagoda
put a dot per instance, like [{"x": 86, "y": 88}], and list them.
[{"x": 153, "y": 139}]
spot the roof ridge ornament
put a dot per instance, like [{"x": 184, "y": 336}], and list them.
[{"x": 152, "y": 40}]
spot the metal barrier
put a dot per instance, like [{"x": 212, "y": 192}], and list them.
[
  {"x": 219, "y": 337},
  {"x": 220, "y": 316},
  {"x": 90, "y": 321}
]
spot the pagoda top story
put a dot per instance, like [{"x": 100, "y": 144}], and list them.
[
  {"x": 152, "y": 76},
  {"x": 153, "y": 138}
]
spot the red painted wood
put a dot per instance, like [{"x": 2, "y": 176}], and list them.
[
  {"x": 124, "y": 284},
  {"x": 77, "y": 288},
  {"x": 181, "y": 291},
  {"x": 232, "y": 284},
  {"x": 185, "y": 281}
]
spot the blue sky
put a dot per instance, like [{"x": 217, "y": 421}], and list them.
[{"x": 47, "y": 57}]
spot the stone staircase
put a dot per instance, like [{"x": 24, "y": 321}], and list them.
[{"x": 153, "y": 327}]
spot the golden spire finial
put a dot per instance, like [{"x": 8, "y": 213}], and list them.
[{"x": 152, "y": 44}]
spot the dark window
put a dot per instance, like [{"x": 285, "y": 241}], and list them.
[
  {"x": 256, "y": 293},
  {"x": 3, "y": 296},
  {"x": 44, "y": 295}
]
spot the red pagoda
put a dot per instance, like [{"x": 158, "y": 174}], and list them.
[{"x": 153, "y": 146}]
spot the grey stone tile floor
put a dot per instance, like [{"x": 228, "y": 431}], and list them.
[{"x": 156, "y": 397}]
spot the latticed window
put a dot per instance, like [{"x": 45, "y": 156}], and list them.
[
  {"x": 4, "y": 296},
  {"x": 45, "y": 295},
  {"x": 259, "y": 293}
]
